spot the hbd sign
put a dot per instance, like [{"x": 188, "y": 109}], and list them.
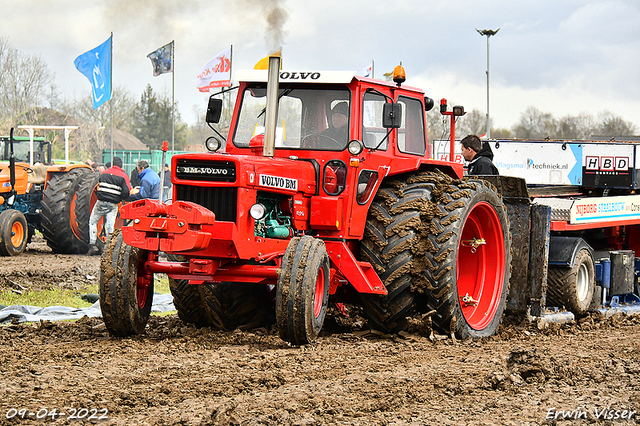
[{"x": 606, "y": 164}]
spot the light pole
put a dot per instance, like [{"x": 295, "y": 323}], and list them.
[{"x": 488, "y": 33}]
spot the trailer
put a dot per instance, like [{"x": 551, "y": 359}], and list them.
[{"x": 580, "y": 199}]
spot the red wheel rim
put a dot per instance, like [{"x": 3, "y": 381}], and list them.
[
  {"x": 481, "y": 271},
  {"x": 318, "y": 297},
  {"x": 17, "y": 234},
  {"x": 143, "y": 282}
]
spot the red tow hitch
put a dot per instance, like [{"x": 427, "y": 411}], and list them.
[{"x": 166, "y": 227}]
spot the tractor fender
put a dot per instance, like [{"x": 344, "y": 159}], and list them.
[{"x": 563, "y": 250}]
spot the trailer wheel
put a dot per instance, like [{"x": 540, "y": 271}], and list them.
[
  {"x": 60, "y": 226},
  {"x": 13, "y": 232},
  {"x": 469, "y": 266},
  {"x": 302, "y": 294},
  {"x": 126, "y": 294},
  {"x": 390, "y": 234},
  {"x": 573, "y": 287}
]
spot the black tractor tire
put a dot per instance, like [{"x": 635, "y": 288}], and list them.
[
  {"x": 391, "y": 232},
  {"x": 187, "y": 298},
  {"x": 60, "y": 226},
  {"x": 414, "y": 239},
  {"x": 125, "y": 304},
  {"x": 83, "y": 207},
  {"x": 233, "y": 305},
  {"x": 13, "y": 232},
  {"x": 302, "y": 294},
  {"x": 573, "y": 287}
]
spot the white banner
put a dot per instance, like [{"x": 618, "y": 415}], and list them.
[{"x": 216, "y": 72}]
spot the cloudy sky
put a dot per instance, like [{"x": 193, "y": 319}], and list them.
[{"x": 563, "y": 57}]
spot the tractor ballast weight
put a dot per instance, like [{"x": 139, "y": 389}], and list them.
[{"x": 297, "y": 213}]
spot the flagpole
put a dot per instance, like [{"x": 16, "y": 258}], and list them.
[
  {"x": 111, "y": 96},
  {"x": 173, "y": 102}
]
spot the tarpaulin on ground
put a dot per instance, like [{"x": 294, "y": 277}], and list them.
[{"x": 161, "y": 303}]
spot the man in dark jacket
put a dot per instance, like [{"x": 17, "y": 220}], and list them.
[
  {"x": 478, "y": 155},
  {"x": 113, "y": 187}
]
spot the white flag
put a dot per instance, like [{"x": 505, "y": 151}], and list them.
[
  {"x": 367, "y": 71},
  {"x": 216, "y": 72}
]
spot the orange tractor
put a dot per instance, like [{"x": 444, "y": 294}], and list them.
[
  {"x": 54, "y": 200},
  {"x": 292, "y": 215}
]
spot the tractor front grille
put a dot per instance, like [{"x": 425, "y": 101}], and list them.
[{"x": 222, "y": 201}]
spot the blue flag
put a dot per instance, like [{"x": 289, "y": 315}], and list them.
[{"x": 96, "y": 66}]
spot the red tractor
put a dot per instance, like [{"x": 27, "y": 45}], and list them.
[{"x": 293, "y": 214}]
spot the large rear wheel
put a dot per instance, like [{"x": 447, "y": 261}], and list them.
[
  {"x": 13, "y": 232},
  {"x": 61, "y": 225},
  {"x": 302, "y": 294},
  {"x": 126, "y": 293},
  {"x": 468, "y": 265}
]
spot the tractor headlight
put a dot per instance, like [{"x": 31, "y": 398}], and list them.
[
  {"x": 258, "y": 211},
  {"x": 355, "y": 147},
  {"x": 212, "y": 144}
]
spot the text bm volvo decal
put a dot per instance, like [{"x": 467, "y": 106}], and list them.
[{"x": 278, "y": 182}]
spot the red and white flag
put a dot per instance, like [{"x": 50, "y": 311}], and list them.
[{"x": 216, "y": 72}]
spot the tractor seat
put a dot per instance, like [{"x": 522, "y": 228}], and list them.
[{"x": 38, "y": 173}]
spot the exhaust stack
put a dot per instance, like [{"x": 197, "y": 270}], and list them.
[{"x": 273, "y": 83}]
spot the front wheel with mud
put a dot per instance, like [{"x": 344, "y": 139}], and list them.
[
  {"x": 302, "y": 295},
  {"x": 126, "y": 293}
]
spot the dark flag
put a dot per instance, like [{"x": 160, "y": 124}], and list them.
[{"x": 162, "y": 59}]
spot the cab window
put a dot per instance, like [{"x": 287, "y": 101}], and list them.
[
  {"x": 372, "y": 130},
  {"x": 411, "y": 134}
]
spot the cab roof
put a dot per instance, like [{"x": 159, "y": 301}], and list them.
[{"x": 314, "y": 77}]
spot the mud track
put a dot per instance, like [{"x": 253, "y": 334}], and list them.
[{"x": 176, "y": 374}]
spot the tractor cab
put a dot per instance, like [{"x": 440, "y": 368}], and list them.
[{"x": 22, "y": 149}]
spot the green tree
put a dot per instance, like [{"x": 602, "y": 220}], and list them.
[{"x": 152, "y": 121}]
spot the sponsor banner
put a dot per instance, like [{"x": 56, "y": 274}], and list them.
[
  {"x": 278, "y": 182},
  {"x": 216, "y": 72},
  {"x": 605, "y": 209},
  {"x": 540, "y": 163}
]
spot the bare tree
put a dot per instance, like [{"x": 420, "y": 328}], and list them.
[
  {"x": 613, "y": 125},
  {"x": 124, "y": 105},
  {"x": 472, "y": 123},
  {"x": 23, "y": 78},
  {"x": 535, "y": 124}
]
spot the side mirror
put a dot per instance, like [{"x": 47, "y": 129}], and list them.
[
  {"x": 391, "y": 115},
  {"x": 214, "y": 110}
]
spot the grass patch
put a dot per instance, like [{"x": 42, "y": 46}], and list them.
[{"x": 62, "y": 297}]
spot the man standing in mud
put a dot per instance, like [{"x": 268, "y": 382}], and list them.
[
  {"x": 113, "y": 187},
  {"x": 479, "y": 156}
]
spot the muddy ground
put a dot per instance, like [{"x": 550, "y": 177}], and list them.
[{"x": 176, "y": 374}]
